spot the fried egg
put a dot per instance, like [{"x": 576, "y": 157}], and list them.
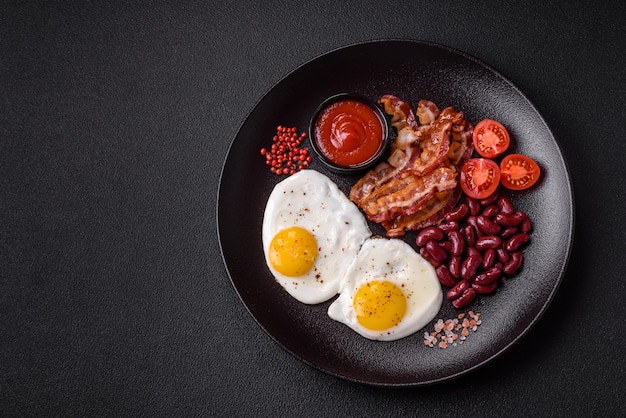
[
  {"x": 311, "y": 234},
  {"x": 389, "y": 292}
]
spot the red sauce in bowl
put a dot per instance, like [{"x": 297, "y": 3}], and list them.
[{"x": 348, "y": 133}]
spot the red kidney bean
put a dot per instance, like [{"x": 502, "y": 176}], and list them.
[
  {"x": 489, "y": 258},
  {"x": 508, "y": 219},
  {"x": 514, "y": 264},
  {"x": 470, "y": 235},
  {"x": 436, "y": 251},
  {"x": 447, "y": 227},
  {"x": 491, "y": 211},
  {"x": 458, "y": 289},
  {"x": 457, "y": 241},
  {"x": 459, "y": 213},
  {"x": 454, "y": 266},
  {"x": 428, "y": 257},
  {"x": 488, "y": 241},
  {"x": 488, "y": 276},
  {"x": 486, "y": 289},
  {"x": 444, "y": 276},
  {"x": 488, "y": 226},
  {"x": 517, "y": 241},
  {"x": 505, "y": 205},
  {"x": 509, "y": 232},
  {"x": 471, "y": 220},
  {"x": 470, "y": 266},
  {"x": 527, "y": 225},
  {"x": 446, "y": 245},
  {"x": 428, "y": 234},
  {"x": 490, "y": 200},
  {"x": 465, "y": 299},
  {"x": 502, "y": 254},
  {"x": 473, "y": 251},
  {"x": 474, "y": 206}
]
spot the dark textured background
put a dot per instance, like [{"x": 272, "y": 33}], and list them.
[{"x": 115, "y": 120}]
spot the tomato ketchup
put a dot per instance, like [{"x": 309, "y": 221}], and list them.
[{"x": 348, "y": 132}]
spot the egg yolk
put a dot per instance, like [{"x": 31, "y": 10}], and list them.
[
  {"x": 293, "y": 251},
  {"x": 379, "y": 305}
]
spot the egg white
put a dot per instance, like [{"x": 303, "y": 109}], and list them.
[
  {"x": 395, "y": 261},
  {"x": 311, "y": 200}
]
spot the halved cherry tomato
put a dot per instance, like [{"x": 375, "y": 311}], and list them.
[
  {"x": 490, "y": 138},
  {"x": 519, "y": 172},
  {"x": 480, "y": 177}
]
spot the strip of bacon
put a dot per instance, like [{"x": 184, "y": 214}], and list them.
[
  {"x": 445, "y": 206},
  {"x": 430, "y": 210},
  {"x": 372, "y": 180},
  {"x": 434, "y": 144},
  {"x": 409, "y": 135},
  {"x": 400, "y": 111},
  {"x": 427, "y": 112},
  {"x": 461, "y": 144},
  {"x": 405, "y": 195}
]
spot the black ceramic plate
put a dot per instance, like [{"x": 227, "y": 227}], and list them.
[{"x": 413, "y": 71}]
